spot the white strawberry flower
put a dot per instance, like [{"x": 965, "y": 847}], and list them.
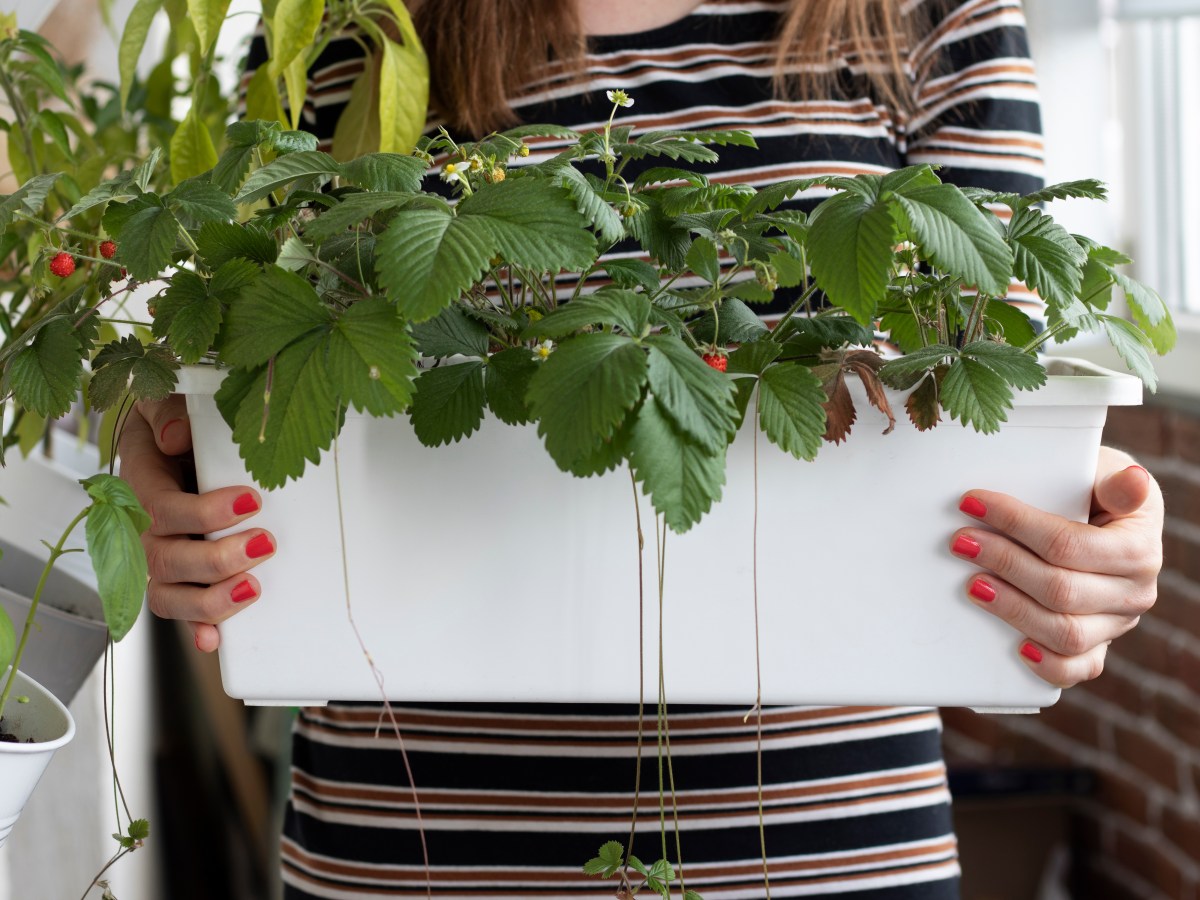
[{"x": 620, "y": 98}]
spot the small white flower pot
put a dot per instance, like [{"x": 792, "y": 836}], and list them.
[
  {"x": 471, "y": 585},
  {"x": 42, "y": 725}
]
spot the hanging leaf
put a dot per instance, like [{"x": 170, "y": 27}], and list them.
[
  {"x": 923, "y": 404},
  {"x": 448, "y": 403},
  {"x": 371, "y": 358},
  {"x": 508, "y": 375},
  {"x": 682, "y": 479},
  {"x": 279, "y": 431},
  {"x": 791, "y": 409}
]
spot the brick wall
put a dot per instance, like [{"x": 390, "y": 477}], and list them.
[{"x": 1137, "y": 727}]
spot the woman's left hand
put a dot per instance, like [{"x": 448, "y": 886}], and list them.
[{"x": 1068, "y": 587}]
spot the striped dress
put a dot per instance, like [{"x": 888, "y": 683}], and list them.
[{"x": 514, "y": 799}]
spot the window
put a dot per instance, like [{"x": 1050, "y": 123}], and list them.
[{"x": 1154, "y": 50}]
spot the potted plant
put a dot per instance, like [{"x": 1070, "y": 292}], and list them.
[{"x": 326, "y": 297}]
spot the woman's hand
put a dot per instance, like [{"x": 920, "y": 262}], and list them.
[
  {"x": 202, "y": 582},
  {"x": 1068, "y": 587}
]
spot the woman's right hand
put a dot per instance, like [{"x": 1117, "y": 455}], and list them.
[{"x": 202, "y": 582}]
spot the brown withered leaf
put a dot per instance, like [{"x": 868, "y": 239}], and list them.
[
  {"x": 923, "y": 404},
  {"x": 839, "y": 408},
  {"x": 866, "y": 365}
]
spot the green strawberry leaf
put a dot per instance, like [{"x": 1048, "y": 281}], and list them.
[
  {"x": 973, "y": 393},
  {"x": 1010, "y": 322},
  {"x": 288, "y": 411},
  {"x": 682, "y": 479},
  {"x": 533, "y": 223},
  {"x": 147, "y": 372},
  {"x": 582, "y": 392},
  {"x": 451, "y": 333},
  {"x": 44, "y": 375},
  {"x": 695, "y": 397},
  {"x": 957, "y": 237},
  {"x": 371, "y": 358},
  {"x": 201, "y": 201},
  {"x": 1045, "y": 256},
  {"x": 308, "y": 168},
  {"x": 147, "y": 239},
  {"x": 1134, "y": 347},
  {"x": 613, "y": 307},
  {"x": 386, "y": 172},
  {"x": 1018, "y": 368},
  {"x": 428, "y": 257},
  {"x": 632, "y": 273},
  {"x": 852, "y": 240},
  {"x": 448, "y": 403},
  {"x": 791, "y": 409},
  {"x": 277, "y": 309},
  {"x": 508, "y": 375},
  {"x": 115, "y": 522},
  {"x": 219, "y": 242}
]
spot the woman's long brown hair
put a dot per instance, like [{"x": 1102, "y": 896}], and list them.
[{"x": 485, "y": 54}]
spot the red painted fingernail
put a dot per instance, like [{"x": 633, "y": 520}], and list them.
[
  {"x": 981, "y": 590},
  {"x": 964, "y": 546},
  {"x": 973, "y": 507},
  {"x": 245, "y": 504},
  {"x": 1031, "y": 653},
  {"x": 243, "y": 592},
  {"x": 259, "y": 546},
  {"x": 162, "y": 434}
]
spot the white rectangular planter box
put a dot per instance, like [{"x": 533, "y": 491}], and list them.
[{"x": 470, "y": 587}]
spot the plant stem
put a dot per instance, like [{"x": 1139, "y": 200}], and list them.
[
  {"x": 108, "y": 865},
  {"x": 792, "y": 310},
  {"x": 762, "y": 825},
  {"x": 34, "y": 220},
  {"x": 378, "y": 675},
  {"x": 637, "y": 772},
  {"x": 55, "y": 552}
]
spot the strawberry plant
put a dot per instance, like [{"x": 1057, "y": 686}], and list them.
[{"x": 323, "y": 286}]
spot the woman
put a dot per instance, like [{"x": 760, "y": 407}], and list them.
[{"x": 515, "y": 799}]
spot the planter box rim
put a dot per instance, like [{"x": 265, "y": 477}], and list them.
[{"x": 1070, "y": 381}]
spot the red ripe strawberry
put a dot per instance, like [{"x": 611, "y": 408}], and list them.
[
  {"x": 63, "y": 264},
  {"x": 717, "y": 361},
  {"x": 108, "y": 249}
]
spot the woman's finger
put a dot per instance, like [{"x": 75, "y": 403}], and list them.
[
  {"x": 1065, "y": 634},
  {"x": 1062, "y": 671},
  {"x": 168, "y": 422},
  {"x": 1117, "y": 549},
  {"x": 174, "y": 560},
  {"x": 1059, "y": 589},
  {"x": 200, "y": 604}
]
